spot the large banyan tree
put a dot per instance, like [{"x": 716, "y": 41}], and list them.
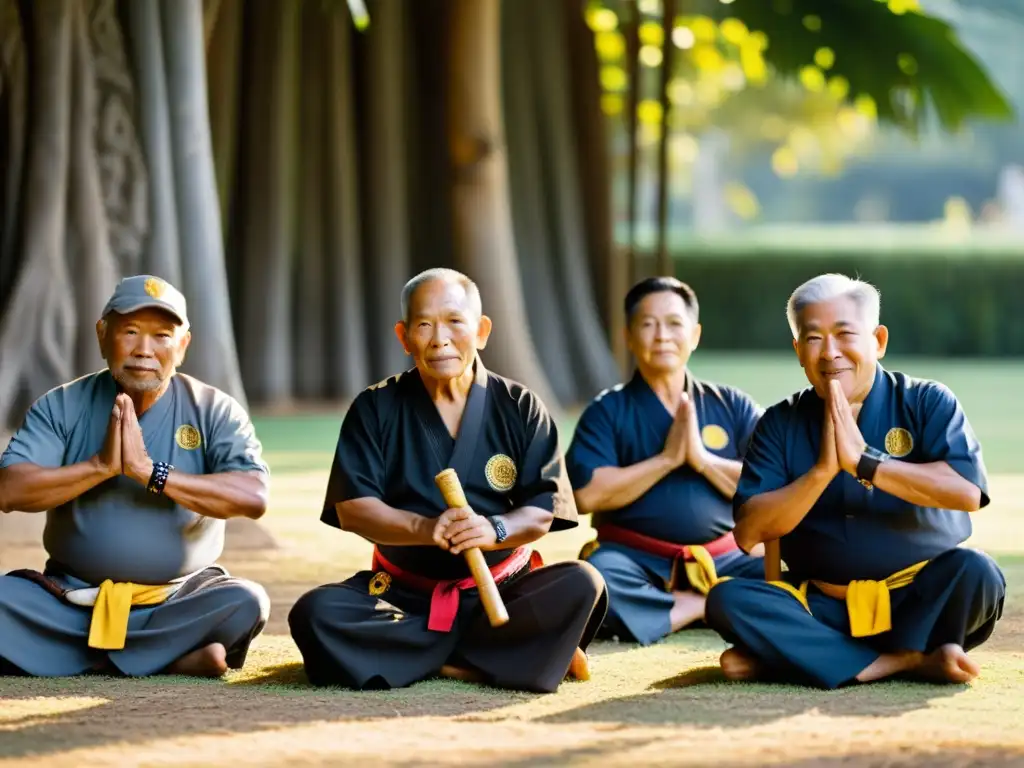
[{"x": 289, "y": 166}]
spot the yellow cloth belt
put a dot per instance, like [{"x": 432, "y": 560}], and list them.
[
  {"x": 109, "y": 626},
  {"x": 867, "y": 602}
]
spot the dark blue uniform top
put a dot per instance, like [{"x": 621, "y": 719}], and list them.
[
  {"x": 394, "y": 442},
  {"x": 852, "y": 532},
  {"x": 628, "y": 424}
]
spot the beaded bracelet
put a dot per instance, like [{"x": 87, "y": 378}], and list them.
[{"x": 159, "y": 477}]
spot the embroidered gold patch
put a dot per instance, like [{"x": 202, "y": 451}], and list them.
[
  {"x": 501, "y": 472},
  {"x": 714, "y": 437},
  {"x": 187, "y": 437},
  {"x": 155, "y": 287},
  {"x": 898, "y": 442},
  {"x": 380, "y": 583}
]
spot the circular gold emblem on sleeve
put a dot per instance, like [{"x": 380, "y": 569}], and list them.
[
  {"x": 187, "y": 437},
  {"x": 898, "y": 442},
  {"x": 380, "y": 583},
  {"x": 154, "y": 287},
  {"x": 714, "y": 437},
  {"x": 501, "y": 472}
]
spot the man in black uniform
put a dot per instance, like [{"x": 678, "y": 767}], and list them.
[
  {"x": 868, "y": 478},
  {"x": 416, "y": 613}
]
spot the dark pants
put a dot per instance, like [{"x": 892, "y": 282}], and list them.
[
  {"x": 351, "y": 638},
  {"x": 639, "y": 606},
  {"x": 956, "y": 598}
]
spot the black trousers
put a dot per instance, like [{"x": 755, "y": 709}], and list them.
[
  {"x": 956, "y": 598},
  {"x": 351, "y": 638}
]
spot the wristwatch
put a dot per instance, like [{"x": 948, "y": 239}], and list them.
[
  {"x": 499, "y": 529},
  {"x": 868, "y": 465}
]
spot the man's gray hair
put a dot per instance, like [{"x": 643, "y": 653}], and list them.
[
  {"x": 833, "y": 286},
  {"x": 447, "y": 275}
]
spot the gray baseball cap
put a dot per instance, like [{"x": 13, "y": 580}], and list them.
[{"x": 142, "y": 291}]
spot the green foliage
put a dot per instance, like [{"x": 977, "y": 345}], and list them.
[
  {"x": 901, "y": 58},
  {"x": 936, "y": 303}
]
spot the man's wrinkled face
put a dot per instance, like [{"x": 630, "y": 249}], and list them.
[
  {"x": 142, "y": 349},
  {"x": 662, "y": 333},
  {"x": 835, "y": 343},
  {"x": 444, "y": 329}
]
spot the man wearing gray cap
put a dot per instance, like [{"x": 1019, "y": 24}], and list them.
[{"x": 137, "y": 467}]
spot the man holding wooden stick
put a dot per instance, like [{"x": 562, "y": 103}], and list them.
[{"x": 418, "y": 612}]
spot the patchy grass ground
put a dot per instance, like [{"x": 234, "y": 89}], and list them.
[{"x": 661, "y": 705}]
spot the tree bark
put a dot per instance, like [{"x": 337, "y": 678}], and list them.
[
  {"x": 223, "y": 59},
  {"x": 385, "y": 180},
  {"x": 309, "y": 328},
  {"x": 212, "y": 356},
  {"x": 161, "y": 253},
  {"x": 92, "y": 261},
  {"x": 591, "y": 357},
  {"x": 347, "y": 337},
  {"x": 526, "y": 187},
  {"x": 13, "y": 112},
  {"x": 37, "y": 327},
  {"x": 484, "y": 242}
]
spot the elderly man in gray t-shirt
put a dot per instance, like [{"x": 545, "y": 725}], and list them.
[{"x": 136, "y": 467}]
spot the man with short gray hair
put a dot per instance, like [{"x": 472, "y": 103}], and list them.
[
  {"x": 136, "y": 467},
  {"x": 868, "y": 478}
]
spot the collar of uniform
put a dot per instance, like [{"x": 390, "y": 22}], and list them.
[
  {"x": 638, "y": 384},
  {"x": 875, "y": 405}
]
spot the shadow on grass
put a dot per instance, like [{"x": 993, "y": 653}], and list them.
[{"x": 702, "y": 697}]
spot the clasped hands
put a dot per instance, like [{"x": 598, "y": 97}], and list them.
[
  {"x": 842, "y": 443},
  {"x": 460, "y": 528},
  {"x": 684, "y": 446},
  {"x": 124, "y": 450}
]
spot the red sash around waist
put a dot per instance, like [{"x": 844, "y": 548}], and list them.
[
  {"x": 615, "y": 534},
  {"x": 444, "y": 600}
]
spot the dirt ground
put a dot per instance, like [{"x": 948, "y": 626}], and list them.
[{"x": 666, "y": 704}]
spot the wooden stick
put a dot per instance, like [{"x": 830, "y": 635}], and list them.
[
  {"x": 772, "y": 560},
  {"x": 448, "y": 482}
]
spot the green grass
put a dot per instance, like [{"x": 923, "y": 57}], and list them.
[{"x": 988, "y": 390}]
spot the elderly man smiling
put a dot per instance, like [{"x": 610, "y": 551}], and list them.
[
  {"x": 136, "y": 467},
  {"x": 868, "y": 478}
]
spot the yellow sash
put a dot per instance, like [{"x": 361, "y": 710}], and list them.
[
  {"x": 109, "y": 626},
  {"x": 867, "y": 602}
]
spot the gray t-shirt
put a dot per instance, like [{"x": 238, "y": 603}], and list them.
[{"x": 118, "y": 530}]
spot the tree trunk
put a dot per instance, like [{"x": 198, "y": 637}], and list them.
[
  {"x": 526, "y": 187},
  {"x": 609, "y": 273},
  {"x": 484, "y": 243},
  {"x": 310, "y": 322},
  {"x": 384, "y": 179},
  {"x": 40, "y": 310},
  {"x": 592, "y": 361},
  {"x": 222, "y": 74},
  {"x": 347, "y": 350},
  {"x": 13, "y": 112},
  {"x": 212, "y": 356},
  {"x": 93, "y": 264},
  {"x": 269, "y": 214}
]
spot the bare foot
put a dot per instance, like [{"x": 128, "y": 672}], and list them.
[
  {"x": 736, "y": 665},
  {"x": 464, "y": 674},
  {"x": 948, "y": 664},
  {"x": 208, "y": 661},
  {"x": 579, "y": 667},
  {"x": 688, "y": 608}
]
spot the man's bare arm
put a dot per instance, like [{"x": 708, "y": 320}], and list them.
[
  {"x": 772, "y": 515},
  {"x": 223, "y": 495},
  {"x": 928, "y": 485},
  {"x": 382, "y": 524},
  {"x": 613, "y": 488},
  {"x": 723, "y": 474},
  {"x": 31, "y": 488}
]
